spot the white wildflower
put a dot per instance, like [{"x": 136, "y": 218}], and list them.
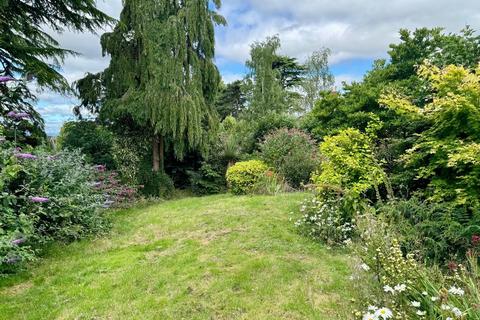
[
  {"x": 421, "y": 313},
  {"x": 416, "y": 304},
  {"x": 400, "y": 287},
  {"x": 365, "y": 267},
  {"x": 369, "y": 316},
  {"x": 384, "y": 313},
  {"x": 456, "y": 291},
  {"x": 457, "y": 312},
  {"x": 445, "y": 307},
  {"x": 434, "y": 299},
  {"x": 372, "y": 308},
  {"x": 387, "y": 288}
]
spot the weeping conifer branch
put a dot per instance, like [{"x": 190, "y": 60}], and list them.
[{"x": 162, "y": 73}]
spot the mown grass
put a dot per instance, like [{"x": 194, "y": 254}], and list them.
[{"x": 219, "y": 257}]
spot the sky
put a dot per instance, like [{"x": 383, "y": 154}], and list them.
[{"x": 357, "y": 32}]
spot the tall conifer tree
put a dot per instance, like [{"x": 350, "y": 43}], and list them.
[
  {"x": 28, "y": 52},
  {"x": 162, "y": 75},
  {"x": 267, "y": 94}
]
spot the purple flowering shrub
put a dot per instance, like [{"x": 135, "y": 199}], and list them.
[
  {"x": 46, "y": 198},
  {"x": 115, "y": 192}
]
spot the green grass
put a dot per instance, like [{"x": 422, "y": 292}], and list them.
[{"x": 219, "y": 257}]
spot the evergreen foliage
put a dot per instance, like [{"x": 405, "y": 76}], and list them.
[
  {"x": 28, "y": 51},
  {"x": 290, "y": 72},
  {"x": 292, "y": 153},
  {"x": 231, "y": 100},
  {"x": 161, "y": 75},
  {"x": 267, "y": 92},
  {"x": 242, "y": 178}
]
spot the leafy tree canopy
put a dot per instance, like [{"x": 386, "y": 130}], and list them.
[
  {"x": 317, "y": 77},
  {"x": 267, "y": 93},
  {"x": 29, "y": 52},
  {"x": 360, "y": 99},
  {"x": 95, "y": 141},
  {"x": 161, "y": 76},
  {"x": 446, "y": 154},
  {"x": 231, "y": 100}
]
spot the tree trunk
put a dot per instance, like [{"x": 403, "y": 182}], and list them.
[
  {"x": 158, "y": 151},
  {"x": 161, "y": 152},
  {"x": 155, "y": 154}
]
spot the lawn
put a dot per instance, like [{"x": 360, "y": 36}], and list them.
[{"x": 218, "y": 257}]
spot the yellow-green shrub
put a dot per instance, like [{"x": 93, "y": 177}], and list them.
[
  {"x": 348, "y": 164},
  {"x": 243, "y": 176}
]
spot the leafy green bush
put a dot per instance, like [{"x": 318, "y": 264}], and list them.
[
  {"x": 132, "y": 157},
  {"x": 45, "y": 198},
  {"x": 271, "y": 122},
  {"x": 207, "y": 180},
  {"x": 95, "y": 141},
  {"x": 436, "y": 232},
  {"x": 292, "y": 153},
  {"x": 250, "y": 133},
  {"x": 348, "y": 164},
  {"x": 243, "y": 176},
  {"x": 155, "y": 184},
  {"x": 72, "y": 208}
]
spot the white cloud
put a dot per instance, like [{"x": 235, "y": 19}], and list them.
[
  {"x": 55, "y": 116},
  {"x": 345, "y": 78},
  {"x": 231, "y": 77},
  {"x": 351, "y": 28},
  {"x": 60, "y": 110}
]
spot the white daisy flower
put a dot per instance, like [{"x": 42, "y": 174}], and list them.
[
  {"x": 416, "y": 304},
  {"x": 372, "y": 308},
  {"x": 387, "y": 288},
  {"x": 400, "y": 287},
  {"x": 369, "y": 316},
  {"x": 384, "y": 313}
]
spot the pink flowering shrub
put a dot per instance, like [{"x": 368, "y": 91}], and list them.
[
  {"x": 115, "y": 192},
  {"x": 292, "y": 153}
]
